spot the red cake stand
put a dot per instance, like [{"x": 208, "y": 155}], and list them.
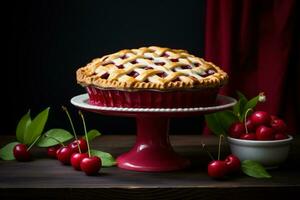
[{"x": 152, "y": 151}]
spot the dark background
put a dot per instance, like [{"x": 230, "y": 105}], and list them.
[{"x": 44, "y": 42}]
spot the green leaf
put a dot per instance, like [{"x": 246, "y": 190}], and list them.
[
  {"x": 254, "y": 169},
  {"x": 250, "y": 105},
  {"x": 241, "y": 96},
  {"x": 22, "y": 127},
  {"x": 214, "y": 124},
  {"x": 54, "y": 137},
  {"x": 236, "y": 108},
  {"x": 92, "y": 134},
  {"x": 239, "y": 107},
  {"x": 106, "y": 158},
  {"x": 6, "y": 153},
  {"x": 36, "y": 127},
  {"x": 226, "y": 118}
]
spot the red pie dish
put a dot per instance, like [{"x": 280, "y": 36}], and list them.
[{"x": 151, "y": 77}]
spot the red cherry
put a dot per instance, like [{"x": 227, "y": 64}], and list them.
[
  {"x": 264, "y": 133},
  {"x": 217, "y": 169},
  {"x": 57, "y": 152},
  {"x": 51, "y": 151},
  {"x": 250, "y": 125},
  {"x": 91, "y": 165},
  {"x": 236, "y": 129},
  {"x": 76, "y": 159},
  {"x": 82, "y": 143},
  {"x": 280, "y": 136},
  {"x": 278, "y": 125},
  {"x": 260, "y": 118},
  {"x": 64, "y": 155},
  {"x": 248, "y": 136},
  {"x": 233, "y": 163},
  {"x": 21, "y": 153},
  {"x": 273, "y": 117}
]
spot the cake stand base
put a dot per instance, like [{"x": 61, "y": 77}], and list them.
[{"x": 152, "y": 151}]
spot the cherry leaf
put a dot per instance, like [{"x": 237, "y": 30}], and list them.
[
  {"x": 254, "y": 169},
  {"x": 226, "y": 118},
  {"x": 214, "y": 124},
  {"x": 22, "y": 127},
  {"x": 36, "y": 127},
  {"x": 53, "y": 137},
  {"x": 92, "y": 134},
  {"x": 250, "y": 105},
  {"x": 106, "y": 158},
  {"x": 6, "y": 153}
]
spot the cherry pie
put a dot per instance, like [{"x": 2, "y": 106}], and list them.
[{"x": 151, "y": 77}]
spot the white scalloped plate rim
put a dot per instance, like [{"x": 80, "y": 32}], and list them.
[{"x": 81, "y": 101}]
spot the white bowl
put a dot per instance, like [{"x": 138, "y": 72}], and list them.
[{"x": 269, "y": 153}]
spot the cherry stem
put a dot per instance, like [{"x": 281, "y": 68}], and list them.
[
  {"x": 245, "y": 119},
  {"x": 62, "y": 144},
  {"x": 36, "y": 139},
  {"x": 209, "y": 154},
  {"x": 71, "y": 122},
  {"x": 219, "y": 149},
  {"x": 85, "y": 132}
]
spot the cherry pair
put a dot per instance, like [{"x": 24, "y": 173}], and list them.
[{"x": 220, "y": 168}]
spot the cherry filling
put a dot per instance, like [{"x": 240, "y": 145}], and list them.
[
  {"x": 147, "y": 68},
  {"x": 120, "y": 66},
  {"x": 186, "y": 67},
  {"x": 165, "y": 54},
  {"x": 162, "y": 74},
  {"x": 133, "y": 74},
  {"x": 133, "y": 62},
  {"x": 160, "y": 63},
  {"x": 176, "y": 79},
  {"x": 196, "y": 64},
  {"x": 150, "y": 58},
  {"x": 211, "y": 71},
  {"x": 174, "y": 59},
  {"x": 207, "y": 73},
  {"x": 124, "y": 57},
  {"x": 104, "y": 76}
]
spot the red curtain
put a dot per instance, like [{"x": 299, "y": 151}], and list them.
[{"x": 252, "y": 40}]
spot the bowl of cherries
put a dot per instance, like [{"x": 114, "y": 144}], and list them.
[{"x": 261, "y": 137}]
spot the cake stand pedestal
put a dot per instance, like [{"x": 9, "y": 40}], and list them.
[{"x": 152, "y": 151}]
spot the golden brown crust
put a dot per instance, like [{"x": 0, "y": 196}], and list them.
[{"x": 151, "y": 68}]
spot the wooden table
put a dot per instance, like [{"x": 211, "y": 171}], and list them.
[{"x": 46, "y": 178}]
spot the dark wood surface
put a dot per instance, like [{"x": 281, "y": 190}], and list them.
[{"x": 45, "y": 178}]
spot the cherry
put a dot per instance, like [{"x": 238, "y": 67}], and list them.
[
  {"x": 217, "y": 169},
  {"x": 248, "y": 136},
  {"x": 91, "y": 165},
  {"x": 76, "y": 159},
  {"x": 236, "y": 129},
  {"x": 82, "y": 145},
  {"x": 233, "y": 163},
  {"x": 273, "y": 117},
  {"x": 280, "y": 136},
  {"x": 250, "y": 125},
  {"x": 278, "y": 125},
  {"x": 64, "y": 154},
  {"x": 51, "y": 151},
  {"x": 264, "y": 133},
  {"x": 260, "y": 118},
  {"x": 21, "y": 153}
]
